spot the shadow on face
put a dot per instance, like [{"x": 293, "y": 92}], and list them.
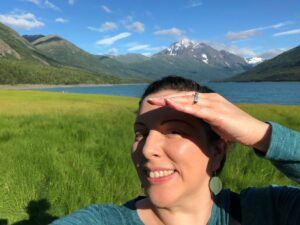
[{"x": 166, "y": 122}]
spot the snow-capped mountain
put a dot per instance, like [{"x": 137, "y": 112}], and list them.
[
  {"x": 203, "y": 53},
  {"x": 254, "y": 60}
]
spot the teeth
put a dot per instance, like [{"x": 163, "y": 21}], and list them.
[{"x": 161, "y": 173}]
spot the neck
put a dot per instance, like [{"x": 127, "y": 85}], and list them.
[{"x": 194, "y": 209}]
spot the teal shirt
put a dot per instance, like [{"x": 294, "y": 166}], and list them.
[{"x": 259, "y": 206}]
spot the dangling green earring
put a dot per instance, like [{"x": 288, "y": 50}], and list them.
[{"x": 215, "y": 184}]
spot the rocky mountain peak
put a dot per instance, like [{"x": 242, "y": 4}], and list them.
[{"x": 202, "y": 53}]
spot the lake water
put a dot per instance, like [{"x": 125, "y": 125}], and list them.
[{"x": 285, "y": 93}]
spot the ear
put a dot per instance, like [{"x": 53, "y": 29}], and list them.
[{"x": 219, "y": 150}]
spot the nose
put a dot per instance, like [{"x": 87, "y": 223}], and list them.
[{"x": 153, "y": 145}]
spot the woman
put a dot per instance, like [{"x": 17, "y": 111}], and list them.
[{"x": 181, "y": 135}]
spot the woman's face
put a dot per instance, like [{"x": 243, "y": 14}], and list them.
[{"x": 171, "y": 154}]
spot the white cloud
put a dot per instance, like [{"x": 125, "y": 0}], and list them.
[
  {"x": 44, "y": 4},
  {"x": 147, "y": 53},
  {"x": 105, "y": 9},
  {"x": 242, "y": 35},
  {"x": 36, "y": 2},
  {"x": 243, "y": 52},
  {"x": 104, "y": 27},
  {"x": 145, "y": 47},
  {"x": 112, "y": 51},
  {"x": 22, "y": 20},
  {"x": 272, "y": 53},
  {"x": 172, "y": 31},
  {"x": 194, "y": 3},
  {"x": 93, "y": 29},
  {"x": 254, "y": 60},
  {"x": 111, "y": 40},
  {"x": 108, "y": 26},
  {"x": 61, "y": 20},
  {"x": 71, "y": 2},
  {"x": 246, "y": 34},
  {"x": 136, "y": 26},
  {"x": 130, "y": 44},
  {"x": 50, "y": 5},
  {"x": 289, "y": 32},
  {"x": 278, "y": 25},
  {"x": 157, "y": 49},
  {"x": 139, "y": 47}
]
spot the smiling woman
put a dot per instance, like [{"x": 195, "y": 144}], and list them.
[{"x": 179, "y": 148}]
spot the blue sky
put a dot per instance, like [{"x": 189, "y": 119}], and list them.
[{"x": 247, "y": 28}]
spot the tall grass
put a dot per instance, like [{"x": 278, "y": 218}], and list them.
[{"x": 71, "y": 150}]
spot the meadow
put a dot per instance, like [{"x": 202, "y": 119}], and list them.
[{"x": 60, "y": 152}]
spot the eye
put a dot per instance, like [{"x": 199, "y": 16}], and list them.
[
  {"x": 138, "y": 136},
  {"x": 174, "y": 132}
]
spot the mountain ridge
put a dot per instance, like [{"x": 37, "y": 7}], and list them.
[
  {"x": 21, "y": 62},
  {"x": 191, "y": 59},
  {"x": 139, "y": 66},
  {"x": 284, "y": 67}
]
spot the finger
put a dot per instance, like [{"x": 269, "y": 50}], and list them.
[
  {"x": 214, "y": 96},
  {"x": 157, "y": 101},
  {"x": 184, "y": 102},
  {"x": 201, "y": 110},
  {"x": 160, "y": 100},
  {"x": 178, "y": 94},
  {"x": 205, "y": 99},
  {"x": 208, "y": 96},
  {"x": 187, "y": 99}
]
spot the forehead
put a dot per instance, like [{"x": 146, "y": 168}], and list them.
[
  {"x": 145, "y": 106},
  {"x": 151, "y": 113}
]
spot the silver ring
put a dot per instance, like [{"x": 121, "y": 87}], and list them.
[{"x": 196, "y": 98}]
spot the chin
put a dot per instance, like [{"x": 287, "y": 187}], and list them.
[{"x": 162, "y": 199}]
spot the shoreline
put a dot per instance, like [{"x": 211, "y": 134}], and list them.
[{"x": 42, "y": 86}]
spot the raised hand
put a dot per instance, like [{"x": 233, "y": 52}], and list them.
[{"x": 226, "y": 119}]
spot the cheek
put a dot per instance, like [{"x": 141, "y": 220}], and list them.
[{"x": 188, "y": 156}]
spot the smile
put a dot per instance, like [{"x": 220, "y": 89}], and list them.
[
  {"x": 160, "y": 173},
  {"x": 160, "y": 176}
]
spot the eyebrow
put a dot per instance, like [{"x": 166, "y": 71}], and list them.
[{"x": 167, "y": 121}]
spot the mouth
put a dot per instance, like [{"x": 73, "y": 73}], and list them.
[{"x": 160, "y": 176}]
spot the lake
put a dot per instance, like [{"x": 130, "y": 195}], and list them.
[{"x": 284, "y": 93}]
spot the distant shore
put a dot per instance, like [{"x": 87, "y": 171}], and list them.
[{"x": 42, "y": 86}]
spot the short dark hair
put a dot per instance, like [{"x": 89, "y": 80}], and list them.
[
  {"x": 174, "y": 83},
  {"x": 178, "y": 83}
]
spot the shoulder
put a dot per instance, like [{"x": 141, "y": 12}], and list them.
[
  {"x": 272, "y": 193},
  {"x": 271, "y": 204},
  {"x": 99, "y": 214}
]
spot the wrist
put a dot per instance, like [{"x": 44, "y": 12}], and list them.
[{"x": 263, "y": 139}]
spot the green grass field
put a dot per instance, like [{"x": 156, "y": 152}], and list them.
[{"x": 60, "y": 152}]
